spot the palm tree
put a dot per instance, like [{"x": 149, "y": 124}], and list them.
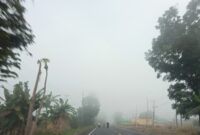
[
  {"x": 62, "y": 109},
  {"x": 45, "y": 61},
  {"x": 30, "y": 111},
  {"x": 30, "y": 125}
]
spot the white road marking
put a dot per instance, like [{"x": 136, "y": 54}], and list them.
[{"x": 92, "y": 131}]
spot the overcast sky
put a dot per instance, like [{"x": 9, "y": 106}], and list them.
[{"x": 98, "y": 46}]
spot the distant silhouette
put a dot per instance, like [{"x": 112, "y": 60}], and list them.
[{"x": 107, "y": 124}]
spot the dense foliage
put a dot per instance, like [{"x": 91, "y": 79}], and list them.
[
  {"x": 175, "y": 56},
  {"x": 14, "y": 109},
  {"x": 15, "y": 36}
]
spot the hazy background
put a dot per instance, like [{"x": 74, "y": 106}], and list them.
[{"x": 97, "y": 46}]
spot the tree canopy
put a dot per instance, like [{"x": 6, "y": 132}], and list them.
[
  {"x": 15, "y": 36},
  {"x": 175, "y": 54}
]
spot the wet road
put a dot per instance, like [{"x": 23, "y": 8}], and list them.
[{"x": 113, "y": 131}]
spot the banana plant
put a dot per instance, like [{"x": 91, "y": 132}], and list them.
[{"x": 13, "y": 110}]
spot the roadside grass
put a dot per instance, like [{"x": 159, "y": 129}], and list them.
[
  {"x": 164, "y": 130},
  {"x": 77, "y": 131}
]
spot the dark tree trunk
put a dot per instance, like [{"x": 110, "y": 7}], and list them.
[
  {"x": 181, "y": 119},
  {"x": 199, "y": 119},
  {"x": 176, "y": 119}
]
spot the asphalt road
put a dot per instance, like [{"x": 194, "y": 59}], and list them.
[{"x": 112, "y": 131}]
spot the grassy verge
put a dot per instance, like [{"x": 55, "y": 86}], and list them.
[
  {"x": 165, "y": 130},
  {"x": 77, "y": 131}
]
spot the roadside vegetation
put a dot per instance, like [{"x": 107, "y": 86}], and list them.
[
  {"x": 164, "y": 130},
  {"x": 57, "y": 115},
  {"x": 33, "y": 111},
  {"x": 73, "y": 131}
]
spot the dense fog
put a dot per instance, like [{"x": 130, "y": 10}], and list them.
[{"x": 97, "y": 47}]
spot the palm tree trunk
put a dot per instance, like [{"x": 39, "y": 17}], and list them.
[
  {"x": 42, "y": 102},
  {"x": 32, "y": 103}
]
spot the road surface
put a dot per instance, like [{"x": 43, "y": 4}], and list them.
[{"x": 112, "y": 131}]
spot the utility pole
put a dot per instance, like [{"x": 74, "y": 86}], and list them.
[
  {"x": 81, "y": 110},
  {"x": 154, "y": 108},
  {"x": 136, "y": 116},
  {"x": 147, "y": 112},
  {"x": 82, "y": 97}
]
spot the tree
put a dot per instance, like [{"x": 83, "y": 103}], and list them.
[
  {"x": 184, "y": 99},
  {"x": 34, "y": 125},
  {"x": 29, "y": 122},
  {"x": 89, "y": 110},
  {"x": 175, "y": 54},
  {"x": 15, "y": 36}
]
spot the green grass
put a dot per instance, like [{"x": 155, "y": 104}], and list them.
[{"x": 68, "y": 132}]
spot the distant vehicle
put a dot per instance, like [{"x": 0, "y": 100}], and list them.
[{"x": 99, "y": 125}]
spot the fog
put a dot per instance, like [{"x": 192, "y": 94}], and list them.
[{"x": 98, "y": 46}]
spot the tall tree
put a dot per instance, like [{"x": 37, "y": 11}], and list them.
[
  {"x": 175, "y": 54},
  {"x": 45, "y": 60},
  {"x": 30, "y": 122},
  {"x": 89, "y": 110},
  {"x": 15, "y": 36},
  {"x": 32, "y": 102}
]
